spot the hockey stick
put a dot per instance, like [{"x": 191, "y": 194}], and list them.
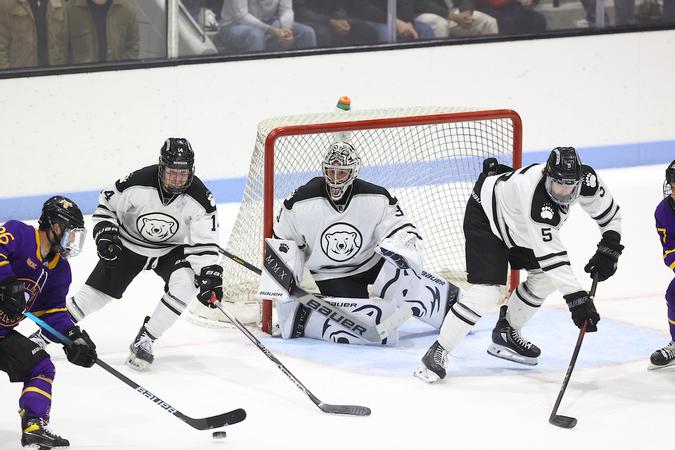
[
  {"x": 557, "y": 419},
  {"x": 206, "y": 423},
  {"x": 371, "y": 333},
  {"x": 352, "y": 410}
]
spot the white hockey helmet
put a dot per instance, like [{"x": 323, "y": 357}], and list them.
[{"x": 340, "y": 168}]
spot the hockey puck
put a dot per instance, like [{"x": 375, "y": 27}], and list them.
[{"x": 219, "y": 434}]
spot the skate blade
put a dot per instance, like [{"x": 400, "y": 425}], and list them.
[
  {"x": 137, "y": 364},
  {"x": 502, "y": 352},
  {"x": 653, "y": 366},
  {"x": 426, "y": 375}
]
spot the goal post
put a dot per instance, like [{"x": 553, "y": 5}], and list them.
[{"x": 427, "y": 157}]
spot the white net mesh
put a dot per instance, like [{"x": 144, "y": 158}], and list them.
[{"x": 429, "y": 167}]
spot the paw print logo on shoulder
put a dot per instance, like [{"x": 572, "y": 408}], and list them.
[
  {"x": 591, "y": 180},
  {"x": 283, "y": 247},
  {"x": 546, "y": 212}
]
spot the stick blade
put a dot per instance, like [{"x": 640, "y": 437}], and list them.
[
  {"x": 350, "y": 410},
  {"x": 221, "y": 420},
  {"x": 562, "y": 421}
]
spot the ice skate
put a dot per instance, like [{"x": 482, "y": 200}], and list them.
[
  {"x": 507, "y": 343},
  {"x": 141, "y": 349},
  {"x": 36, "y": 435},
  {"x": 663, "y": 357},
  {"x": 434, "y": 362}
]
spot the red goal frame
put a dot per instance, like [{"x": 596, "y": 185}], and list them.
[{"x": 275, "y": 134}]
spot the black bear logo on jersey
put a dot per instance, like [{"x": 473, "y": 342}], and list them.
[
  {"x": 341, "y": 241},
  {"x": 156, "y": 227}
]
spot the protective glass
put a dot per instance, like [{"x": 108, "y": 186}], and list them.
[
  {"x": 72, "y": 242},
  {"x": 563, "y": 192}
]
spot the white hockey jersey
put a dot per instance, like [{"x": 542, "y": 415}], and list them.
[
  {"x": 522, "y": 214},
  {"x": 340, "y": 244},
  {"x": 150, "y": 228}
]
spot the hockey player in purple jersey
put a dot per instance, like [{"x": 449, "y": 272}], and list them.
[
  {"x": 665, "y": 226},
  {"x": 35, "y": 276}
]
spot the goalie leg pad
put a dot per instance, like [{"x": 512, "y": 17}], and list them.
[
  {"x": 86, "y": 301},
  {"x": 464, "y": 313},
  {"x": 297, "y": 320},
  {"x": 429, "y": 296},
  {"x": 526, "y": 299}
]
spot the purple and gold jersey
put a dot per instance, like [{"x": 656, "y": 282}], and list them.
[
  {"x": 47, "y": 282},
  {"x": 665, "y": 226}
]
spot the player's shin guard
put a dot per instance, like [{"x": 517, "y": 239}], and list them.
[
  {"x": 296, "y": 320},
  {"x": 36, "y": 397},
  {"x": 86, "y": 301}
]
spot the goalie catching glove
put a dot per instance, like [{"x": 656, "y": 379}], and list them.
[
  {"x": 405, "y": 250},
  {"x": 210, "y": 281}
]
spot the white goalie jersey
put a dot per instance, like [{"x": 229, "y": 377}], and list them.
[
  {"x": 522, "y": 214},
  {"x": 151, "y": 228},
  {"x": 338, "y": 244}
]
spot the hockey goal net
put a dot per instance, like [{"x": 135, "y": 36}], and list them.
[{"x": 427, "y": 157}]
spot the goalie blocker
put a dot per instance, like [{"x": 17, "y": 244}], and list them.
[{"x": 401, "y": 292}]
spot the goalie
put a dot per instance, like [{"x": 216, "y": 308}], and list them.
[{"x": 350, "y": 234}]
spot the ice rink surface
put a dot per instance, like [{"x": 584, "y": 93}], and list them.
[{"x": 484, "y": 403}]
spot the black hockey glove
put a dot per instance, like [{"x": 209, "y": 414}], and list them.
[
  {"x": 604, "y": 261},
  {"x": 12, "y": 298},
  {"x": 82, "y": 352},
  {"x": 582, "y": 308},
  {"x": 108, "y": 243},
  {"x": 210, "y": 280}
]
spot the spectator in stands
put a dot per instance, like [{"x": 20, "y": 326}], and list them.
[
  {"x": 455, "y": 18},
  {"x": 102, "y": 30},
  {"x": 33, "y": 33},
  {"x": 514, "y": 16},
  {"x": 624, "y": 13},
  {"x": 331, "y": 23},
  {"x": 375, "y": 13},
  {"x": 256, "y": 25}
]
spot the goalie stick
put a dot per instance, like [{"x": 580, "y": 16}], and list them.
[
  {"x": 557, "y": 419},
  {"x": 316, "y": 303},
  {"x": 206, "y": 423},
  {"x": 352, "y": 410}
]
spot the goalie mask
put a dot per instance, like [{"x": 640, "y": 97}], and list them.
[
  {"x": 340, "y": 168},
  {"x": 563, "y": 175},
  {"x": 64, "y": 212},
  {"x": 176, "y": 165}
]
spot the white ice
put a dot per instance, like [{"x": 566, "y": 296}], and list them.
[{"x": 484, "y": 403}]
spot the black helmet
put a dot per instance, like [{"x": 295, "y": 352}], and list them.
[
  {"x": 563, "y": 175},
  {"x": 176, "y": 153},
  {"x": 670, "y": 178},
  {"x": 63, "y": 211}
]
